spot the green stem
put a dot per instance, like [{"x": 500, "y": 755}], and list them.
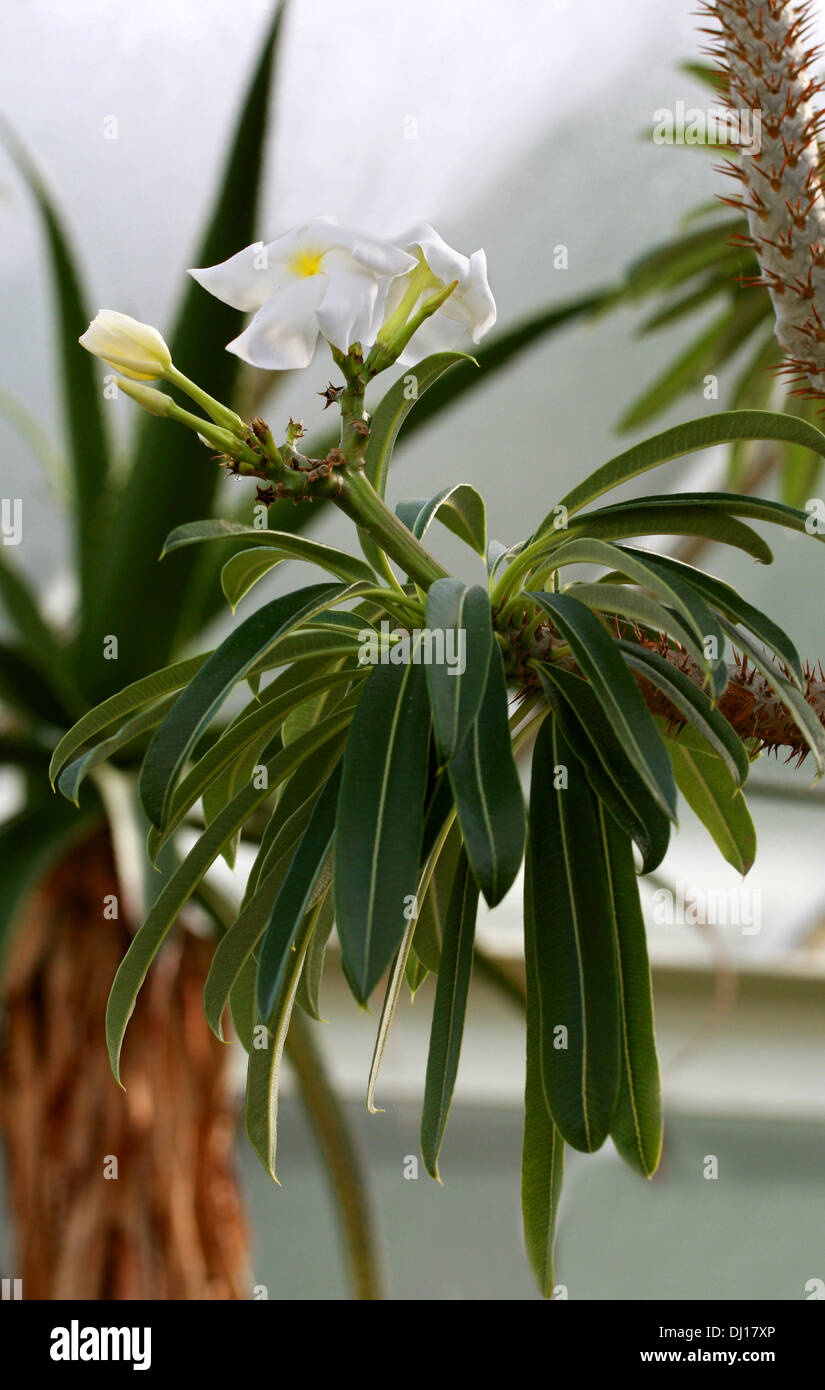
[
  {"x": 342, "y": 1162},
  {"x": 358, "y": 499}
]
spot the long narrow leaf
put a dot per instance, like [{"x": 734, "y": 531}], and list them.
[{"x": 448, "y": 1013}]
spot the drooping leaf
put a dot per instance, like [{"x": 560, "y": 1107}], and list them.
[
  {"x": 205, "y": 693},
  {"x": 457, "y": 686},
  {"x": 610, "y": 772},
  {"x": 448, "y": 1012},
  {"x": 293, "y": 900},
  {"x": 310, "y": 983},
  {"x": 380, "y": 820},
  {"x": 727, "y": 601},
  {"x": 636, "y": 1127},
  {"x": 706, "y": 784},
  {"x": 690, "y": 607},
  {"x": 72, "y": 777},
  {"x": 148, "y": 690},
  {"x": 693, "y": 704},
  {"x": 282, "y": 544},
  {"x": 256, "y": 729},
  {"x": 542, "y": 1155},
  {"x": 432, "y": 916},
  {"x": 575, "y": 952},
  {"x": 599, "y": 660},
  {"x": 487, "y": 791},
  {"x": 150, "y": 937}
]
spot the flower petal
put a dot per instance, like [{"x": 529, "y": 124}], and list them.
[
  {"x": 477, "y": 297},
  {"x": 284, "y": 331},
  {"x": 348, "y": 310},
  {"x": 246, "y": 279},
  {"x": 443, "y": 261}
]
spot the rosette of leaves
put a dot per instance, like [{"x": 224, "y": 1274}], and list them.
[{"x": 386, "y": 793}]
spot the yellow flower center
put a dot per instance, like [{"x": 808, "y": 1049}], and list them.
[{"x": 306, "y": 263}]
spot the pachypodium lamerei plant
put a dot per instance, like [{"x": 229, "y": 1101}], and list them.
[{"x": 381, "y": 756}]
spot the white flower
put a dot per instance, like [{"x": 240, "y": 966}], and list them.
[
  {"x": 469, "y": 309},
  {"x": 134, "y": 349},
  {"x": 318, "y": 278}
]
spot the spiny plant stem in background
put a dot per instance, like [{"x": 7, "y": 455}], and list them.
[{"x": 765, "y": 66}]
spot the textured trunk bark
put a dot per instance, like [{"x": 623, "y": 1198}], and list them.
[{"x": 114, "y": 1194}]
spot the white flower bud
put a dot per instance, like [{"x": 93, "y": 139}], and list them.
[{"x": 134, "y": 349}]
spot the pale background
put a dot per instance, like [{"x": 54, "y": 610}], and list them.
[{"x": 529, "y": 125}]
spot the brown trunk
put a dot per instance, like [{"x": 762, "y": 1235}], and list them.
[{"x": 170, "y": 1224}]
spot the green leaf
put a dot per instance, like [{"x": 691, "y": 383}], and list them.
[
  {"x": 396, "y": 405},
  {"x": 242, "y": 1005},
  {"x": 283, "y": 544},
  {"x": 707, "y": 786},
  {"x": 386, "y": 423},
  {"x": 310, "y": 984},
  {"x": 714, "y": 348},
  {"x": 627, "y": 602},
  {"x": 487, "y": 791},
  {"x": 264, "y": 1066},
  {"x": 236, "y": 948},
  {"x": 171, "y": 479},
  {"x": 690, "y": 606},
  {"x": 599, "y": 660},
  {"x": 415, "y": 972},
  {"x": 432, "y": 916},
  {"x": 148, "y": 690},
  {"x": 175, "y": 894},
  {"x": 460, "y": 508},
  {"x": 721, "y": 428},
  {"x": 293, "y": 900},
  {"x": 23, "y": 688},
  {"x": 542, "y": 1156},
  {"x": 693, "y": 704},
  {"x": 457, "y": 686},
  {"x": 448, "y": 1013},
  {"x": 676, "y": 519},
  {"x": 636, "y": 1127},
  {"x": 793, "y": 700},
  {"x": 254, "y": 730},
  {"x": 610, "y": 772},
  {"x": 200, "y": 701},
  {"x": 568, "y": 917},
  {"x": 677, "y": 260},
  {"x": 759, "y": 508},
  {"x": 380, "y": 815},
  {"x": 85, "y": 436},
  {"x": 72, "y": 777},
  {"x": 39, "y": 640},
  {"x": 727, "y": 601}
]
